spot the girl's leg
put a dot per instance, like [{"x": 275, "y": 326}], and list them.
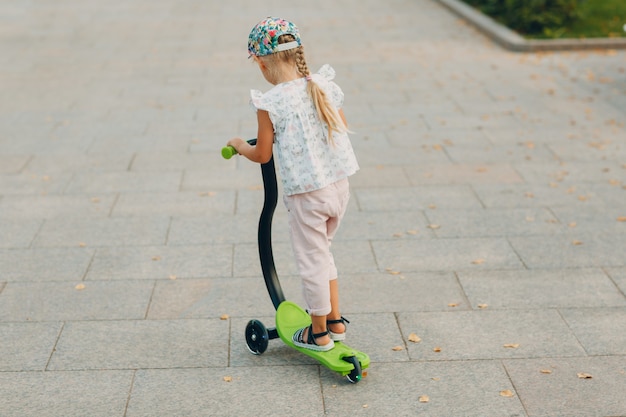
[{"x": 335, "y": 313}]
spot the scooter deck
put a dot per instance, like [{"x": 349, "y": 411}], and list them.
[{"x": 290, "y": 317}]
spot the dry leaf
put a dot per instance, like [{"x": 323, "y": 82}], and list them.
[
  {"x": 414, "y": 338},
  {"x": 453, "y": 304},
  {"x": 82, "y": 244},
  {"x": 584, "y": 375},
  {"x": 365, "y": 405},
  {"x": 423, "y": 399},
  {"x": 80, "y": 287},
  {"x": 478, "y": 261},
  {"x": 511, "y": 345},
  {"x": 228, "y": 379},
  {"x": 483, "y": 306},
  {"x": 398, "y": 234},
  {"x": 437, "y": 349},
  {"x": 172, "y": 277},
  {"x": 224, "y": 317},
  {"x": 397, "y": 348},
  {"x": 433, "y": 226},
  {"x": 572, "y": 224},
  {"x": 95, "y": 200},
  {"x": 156, "y": 258},
  {"x": 577, "y": 243},
  {"x": 506, "y": 393},
  {"x": 411, "y": 232},
  {"x": 546, "y": 371},
  {"x": 621, "y": 219}
]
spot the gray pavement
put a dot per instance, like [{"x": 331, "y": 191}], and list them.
[{"x": 489, "y": 216}]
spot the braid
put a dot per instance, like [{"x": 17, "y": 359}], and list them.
[{"x": 325, "y": 110}]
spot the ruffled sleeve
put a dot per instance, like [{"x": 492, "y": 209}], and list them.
[
  {"x": 324, "y": 76},
  {"x": 258, "y": 101}
]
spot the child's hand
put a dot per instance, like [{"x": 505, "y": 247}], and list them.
[{"x": 235, "y": 143}]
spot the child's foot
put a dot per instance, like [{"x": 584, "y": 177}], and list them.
[
  {"x": 310, "y": 343},
  {"x": 339, "y": 328}
]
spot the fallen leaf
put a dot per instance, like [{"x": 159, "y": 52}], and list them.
[
  {"x": 228, "y": 379},
  {"x": 397, "y": 348},
  {"x": 511, "y": 345},
  {"x": 411, "y": 232},
  {"x": 621, "y": 219},
  {"x": 478, "y": 261},
  {"x": 398, "y": 234},
  {"x": 546, "y": 371},
  {"x": 577, "y": 243},
  {"x": 80, "y": 287},
  {"x": 156, "y": 258},
  {"x": 423, "y": 399},
  {"x": 82, "y": 244},
  {"x": 506, "y": 393},
  {"x": 224, "y": 317},
  {"x": 414, "y": 338},
  {"x": 453, "y": 304},
  {"x": 173, "y": 277},
  {"x": 482, "y": 306},
  {"x": 365, "y": 405},
  {"x": 433, "y": 226},
  {"x": 584, "y": 375},
  {"x": 437, "y": 349},
  {"x": 572, "y": 224}
]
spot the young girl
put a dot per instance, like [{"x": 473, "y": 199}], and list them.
[{"x": 301, "y": 118}]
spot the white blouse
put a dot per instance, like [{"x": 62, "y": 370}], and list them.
[{"x": 306, "y": 160}]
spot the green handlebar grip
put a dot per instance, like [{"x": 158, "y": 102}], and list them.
[{"x": 228, "y": 152}]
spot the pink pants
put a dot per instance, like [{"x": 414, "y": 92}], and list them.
[{"x": 314, "y": 218}]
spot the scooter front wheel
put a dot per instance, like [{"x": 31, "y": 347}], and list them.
[
  {"x": 257, "y": 337},
  {"x": 356, "y": 374}
]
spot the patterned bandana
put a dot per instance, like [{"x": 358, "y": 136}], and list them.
[{"x": 263, "y": 38}]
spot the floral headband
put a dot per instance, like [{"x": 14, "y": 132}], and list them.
[{"x": 263, "y": 38}]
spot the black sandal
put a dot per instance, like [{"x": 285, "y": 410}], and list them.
[
  {"x": 337, "y": 337},
  {"x": 310, "y": 343}
]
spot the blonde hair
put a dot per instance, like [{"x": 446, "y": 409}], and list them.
[{"x": 325, "y": 110}]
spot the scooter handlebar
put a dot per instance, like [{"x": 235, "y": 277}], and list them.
[{"x": 228, "y": 151}]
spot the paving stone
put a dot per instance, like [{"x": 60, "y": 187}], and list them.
[
  {"x": 30, "y": 183},
  {"x": 46, "y": 164},
  {"x": 27, "y": 346},
  {"x": 540, "y": 289},
  {"x": 13, "y": 164},
  {"x": 57, "y": 301},
  {"x": 445, "y": 254},
  {"x": 493, "y": 222},
  {"x": 54, "y": 206},
  {"x": 456, "y": 388},
  {"x": 85, "y": 345},
  {"x": 221, "y": 390},
  {"x": 561, "y": 392},
  {"x": 68, "y": 232},
  {"x": 125, "y": 182},
  {"x": 544, "y": 194},
  {"x": 580, "y": 250},
  {"x": 416, "y": 198},
  {"x": 600, "y": 330},
  {"x": 161, "y": 262},
  {"x": 43, "y": 264},
  {"x": 483, "y": 335},
  {"x": 18, "y": 233},
  {"x": 403, "y": 291},
  {"x": 618, "y": 275},
  {"x": 50, "y": 394},
  {"x": 369, "y": 225},
  {"x": 463, "y": 174},
  {"x": 181, "y": 161},
  {"x": 174, "y": 204}
]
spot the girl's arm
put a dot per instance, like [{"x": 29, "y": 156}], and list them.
[{"x": 262, "y": 151}]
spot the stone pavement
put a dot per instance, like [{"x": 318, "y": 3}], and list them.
[{"x": 488, "y": 217}]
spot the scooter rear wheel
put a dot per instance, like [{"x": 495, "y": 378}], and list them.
[{"x": 257, "y": 337}]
